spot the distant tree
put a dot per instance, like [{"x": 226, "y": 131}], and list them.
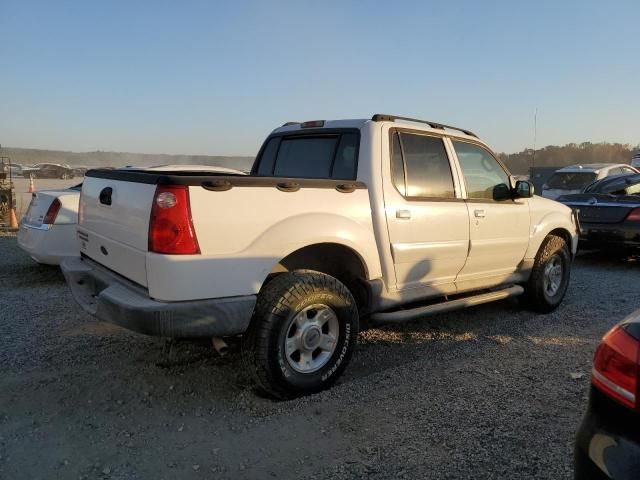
[{"x": 569, "y": 154}]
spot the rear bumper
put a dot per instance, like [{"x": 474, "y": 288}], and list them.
[
  {"x": 49, "y": 244},
  {"x": 602, "y": 235},
  {"x": 113, "y": 299},
  {"x": 607, "y": 443}
]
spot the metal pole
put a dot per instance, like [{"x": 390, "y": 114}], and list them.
[{"x": 535, "y": 135}]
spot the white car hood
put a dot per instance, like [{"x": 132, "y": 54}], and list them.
[{"x": 554, "y": 193}]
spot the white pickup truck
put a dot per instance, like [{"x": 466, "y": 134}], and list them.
[{"x": 340, "y": 225}]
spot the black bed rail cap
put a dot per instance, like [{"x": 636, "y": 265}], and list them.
[{"x": 383, "y": 117}]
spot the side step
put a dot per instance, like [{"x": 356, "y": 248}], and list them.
[{"x": 402, "y": 316}]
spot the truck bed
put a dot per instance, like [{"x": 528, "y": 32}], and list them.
[{"x": 244, "y": 226}]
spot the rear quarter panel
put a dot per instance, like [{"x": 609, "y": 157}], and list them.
[{"x": 244, "y": 232}]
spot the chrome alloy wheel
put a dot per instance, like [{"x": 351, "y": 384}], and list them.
[
  {"x": 311, "y": 338},
  {"x": 553, "y": 272}
]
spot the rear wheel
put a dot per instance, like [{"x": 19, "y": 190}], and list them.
[
  {"x": 302, "y": 335},
  {"x": 550, "y": 275}
]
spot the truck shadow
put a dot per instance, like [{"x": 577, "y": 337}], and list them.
[
  {"x": 34, "y": 276},
  {"x": 620, "y": 259},
  {"x": 440, "y": 338}
]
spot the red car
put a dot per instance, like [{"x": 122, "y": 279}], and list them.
[{"x": 608, "y": 441}]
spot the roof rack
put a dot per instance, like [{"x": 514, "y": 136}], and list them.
[{"x": 381, "y": 117}]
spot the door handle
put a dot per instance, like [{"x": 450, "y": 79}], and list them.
[
  {"x": 479, "y": 213},
  {"x": 403, "y": 214}
]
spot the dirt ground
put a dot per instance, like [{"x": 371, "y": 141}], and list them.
[{"x": 482, "y": 393}]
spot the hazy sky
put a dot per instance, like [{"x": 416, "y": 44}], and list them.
[{"x": 215, "y": 77}]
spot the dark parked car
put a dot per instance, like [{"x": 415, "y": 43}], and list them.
[
  {"x": 608, "y": 440},
  {"x": 80, "y": 171},
  {"x": 609, "y": 213},
  {"x": 50, "y": 170}
]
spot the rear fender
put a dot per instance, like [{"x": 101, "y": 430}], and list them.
[{"x": 294, "y": 233}]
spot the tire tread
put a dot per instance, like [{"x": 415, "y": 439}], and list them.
[
  {"x": 275, "y": 300},
  {"x": 533, "y": 297}
]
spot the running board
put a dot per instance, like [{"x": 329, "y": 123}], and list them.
[{"x": 402, "y": 316}]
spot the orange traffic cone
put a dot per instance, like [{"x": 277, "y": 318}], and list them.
[
  {"x": 32, "y": 187},
  {"x": 13, "y": 220}
]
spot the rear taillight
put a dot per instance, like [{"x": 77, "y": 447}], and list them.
[
  {"x": 171, "y": 228},
  {"x": 634, "y": 215},
  {"x": 616, "y": 367},
  {"x": 52, "y": 212}
]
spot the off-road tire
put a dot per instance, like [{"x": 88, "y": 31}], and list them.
[
  {"x": 535, "y": 296},
  {"x": 263, "y": 345}
]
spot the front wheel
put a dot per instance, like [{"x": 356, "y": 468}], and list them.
[
  {"x": 549, "y": 278},
  {"x": 302, "y": 335}
]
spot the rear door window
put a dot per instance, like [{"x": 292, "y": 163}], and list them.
[
  {"x": 423, "y": 170},
  {"x": 397, "y": 165},
  {"x": 311, "y": 156}
]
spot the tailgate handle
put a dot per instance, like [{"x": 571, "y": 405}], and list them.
[{"x": 105, "y": 196}]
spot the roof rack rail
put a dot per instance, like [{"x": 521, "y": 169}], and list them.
[
  {"x": 288, "y": 124},
  {"x": 381, "y": 117}
]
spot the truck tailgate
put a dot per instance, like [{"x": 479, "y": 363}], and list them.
[{"x": 114, "y": 224}]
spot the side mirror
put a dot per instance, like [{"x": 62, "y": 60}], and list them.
[
  {"x": 524, "y": 189},
  {"x": 501, "y": 192}
]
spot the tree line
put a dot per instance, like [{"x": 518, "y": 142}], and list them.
[
  {"x": 32, "y": 156},
  {"x": 518, "y": 163},
  {"x": 569, "y": 154}
]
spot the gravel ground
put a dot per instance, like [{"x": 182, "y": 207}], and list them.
[{"x": 482, "y": 393}]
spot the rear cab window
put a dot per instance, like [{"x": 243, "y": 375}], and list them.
[{"x": 331, "y": 154}]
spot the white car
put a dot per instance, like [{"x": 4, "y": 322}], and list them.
[
  {"x": 341, "y": 224},
  {"x": 48, "y": 230},
  {"x": 575, "y": 178}
]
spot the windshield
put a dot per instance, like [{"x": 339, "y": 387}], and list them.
[
  {"x": 571, "y": 180},
  {"x": 618, "y": 185}
]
